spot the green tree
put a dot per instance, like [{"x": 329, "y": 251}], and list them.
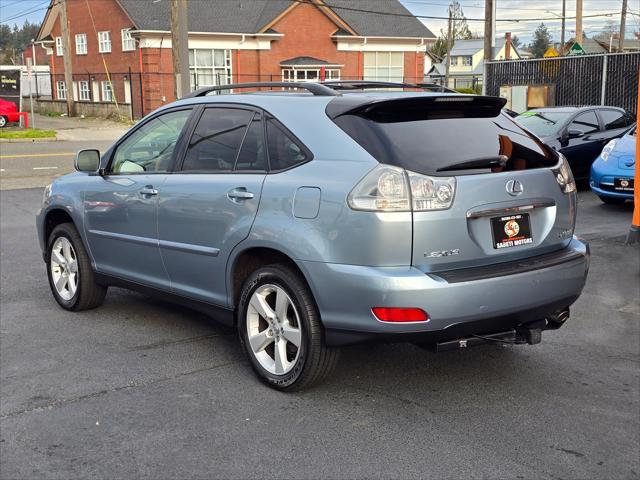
[
  {"x": 13, "y": 41},
  {"x": 459, "y": 29},
  {"x": 541, "y": 41},
  {"x": 515, "y": 41}
]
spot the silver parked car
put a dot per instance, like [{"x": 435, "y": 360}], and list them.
[{"x": 319, "y": 218}]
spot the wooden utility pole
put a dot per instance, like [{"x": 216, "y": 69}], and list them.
[
  {"x": 488, "y": 36},
  {"x": 579, "y": 21},
  {"x": 66, "y": 58},
  {"x": 564, "y": 14},
  {"x": 623, "y": 21},
  {"x": 180, "y": 47},
  {"x": 449, "y": 45}
]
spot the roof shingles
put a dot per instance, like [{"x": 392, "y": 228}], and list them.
[{"x": 389, "y": 18}]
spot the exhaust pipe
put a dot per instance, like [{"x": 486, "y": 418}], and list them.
[{"x": 557, "y": 319}]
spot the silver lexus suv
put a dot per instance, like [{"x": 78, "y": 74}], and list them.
[{"x": 318, "y": 215}]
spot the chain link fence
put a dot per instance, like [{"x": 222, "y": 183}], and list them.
[{"x": 609, "y": 79}]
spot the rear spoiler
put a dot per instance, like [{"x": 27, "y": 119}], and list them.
[{"x": 416, "y": 107}]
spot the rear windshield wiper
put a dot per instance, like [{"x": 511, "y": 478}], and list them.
[{"x": 484, "y": 162}]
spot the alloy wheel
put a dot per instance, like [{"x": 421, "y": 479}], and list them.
[
  {"x": 273, "y": 329},
  {"x": 64, "y": 268}
]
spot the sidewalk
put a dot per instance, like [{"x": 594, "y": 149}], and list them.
[{"x": 81, "y": 129}]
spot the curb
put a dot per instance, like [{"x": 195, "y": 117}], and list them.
[{"x": 29, "y": 140}]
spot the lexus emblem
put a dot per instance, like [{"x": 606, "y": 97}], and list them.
[{"x": 514, "y": 187}]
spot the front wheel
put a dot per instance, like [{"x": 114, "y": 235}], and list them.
[
  {"x": 69, "y": 270},
  {"x": 279, "y": 328},
  {"x": 612, "y": 200},
  {"x": 3, "y": 121}
]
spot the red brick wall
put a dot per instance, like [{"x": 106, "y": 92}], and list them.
[
  {"x": 108, "y": 16},
  {"x": 413, "y": 67},
  {"x": 158, "y": 81},
  {"x": 307, "y": 32}
]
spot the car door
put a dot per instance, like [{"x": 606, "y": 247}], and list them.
[
  {"x": 120, "y": 206},
  {"x": 208, "y": 205},
  {"x": 615, "y": 123},
  {"x": 582, "y": 150}
]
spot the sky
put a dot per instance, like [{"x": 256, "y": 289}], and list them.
[{"x": 16, "y": 11}]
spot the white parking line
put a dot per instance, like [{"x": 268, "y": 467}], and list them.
[{"x": 44, "y": 168}]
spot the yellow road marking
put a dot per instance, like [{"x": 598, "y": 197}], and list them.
[{"x": 32, "y": 155}]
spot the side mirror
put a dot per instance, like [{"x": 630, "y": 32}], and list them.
[
  {"x": 575, "y": 133},
  {"x": 87, "y": 160}
]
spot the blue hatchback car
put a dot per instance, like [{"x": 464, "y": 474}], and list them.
[{"x": 612, "y": 174}]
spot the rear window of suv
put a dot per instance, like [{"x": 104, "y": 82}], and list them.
[{"x": 435, "y": 146}]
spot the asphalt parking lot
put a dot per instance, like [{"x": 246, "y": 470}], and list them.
[{"x": 140, "y": 388}]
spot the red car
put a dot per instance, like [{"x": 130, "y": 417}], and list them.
[{"x": 8, "y": 113}]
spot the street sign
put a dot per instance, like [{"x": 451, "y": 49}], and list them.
[
  {"x": 551, "y": 52},
  {"x": 576, "y": 49}
]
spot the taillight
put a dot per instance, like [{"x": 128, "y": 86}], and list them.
[
  {"x": 431, "y": 193},
  {"x": 384, "y": 189},
  {"x": 564, "y": 176},
  {"x": 400, "y": 315},
  {"x": 392, "y": 189}
]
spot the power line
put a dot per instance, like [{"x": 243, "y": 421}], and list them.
[
  {"x": 421, "y": 2},
  {"x": 12, "y": 3},
  {"x": 27, "y": 12},
  {"x": 434, "y": 17}
]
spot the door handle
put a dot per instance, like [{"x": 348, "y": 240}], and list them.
[
  {"x": 148, "y": 190},
  {"x": 239, "y": 194}
]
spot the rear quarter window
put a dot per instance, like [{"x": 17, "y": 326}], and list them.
[{"x": 284, "y": 150}]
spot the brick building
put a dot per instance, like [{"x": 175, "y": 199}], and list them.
[{"x": 121, "y": 49}]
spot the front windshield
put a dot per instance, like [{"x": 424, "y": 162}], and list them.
[{"x": 543, "y": 123}]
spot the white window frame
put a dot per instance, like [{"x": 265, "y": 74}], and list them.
[
  {"x": 59, "y": 47},
  {"x": 128, "y": 42},
  {"x": 309, "y": 74},
  {"x": 104, "y": 42},
  {"x": 378, "y": 64},
  {"x": 223, "y": 73},
  {"x": 106, "y": 90},
  {"x": 81, "y": 44},
  {"x": 84, "y": 94},
  {"x": 61, "y": 90},
  {"x": 467, "y": 60}
]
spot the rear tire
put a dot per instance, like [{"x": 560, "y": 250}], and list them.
[
  {"x": 276, "y": 310},
  {"x": 69, "y": 270},
  {"x": 612, "y": 200},
  {"x": 3, "y": 121}
]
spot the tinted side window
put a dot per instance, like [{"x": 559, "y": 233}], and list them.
[
  {"x": 215, "y": 142},
  {"x": 284, "y": 152},
  {"x": 613, "y": 119},
  {"x": 150, "y": 147},
  {"x": 253, "y": 152},
  {"x": 587, "y": 122}
]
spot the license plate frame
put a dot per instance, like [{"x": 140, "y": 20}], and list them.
[
  {"x": 509, "y": 231},
  {"x": 619, "y": 184}
]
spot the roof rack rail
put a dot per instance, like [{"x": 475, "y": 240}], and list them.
[
  {"x": 361, "y": 84},
  {"x": 314, "y": 88}
]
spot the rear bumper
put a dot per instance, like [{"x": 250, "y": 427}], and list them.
[{"x": 470, "y": 301}]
